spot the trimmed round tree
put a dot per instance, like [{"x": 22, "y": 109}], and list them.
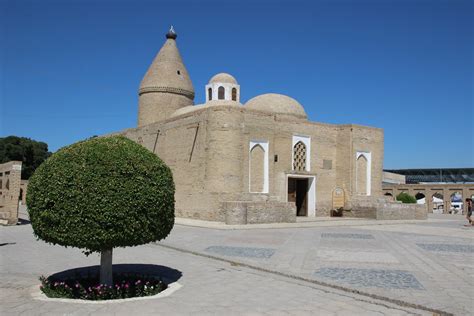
[{"x": 100, "y": 194}]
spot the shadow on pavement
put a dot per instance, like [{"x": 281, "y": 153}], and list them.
[
  {"x": 167, "y": 274},
  {"x": 22, "y": 221}
]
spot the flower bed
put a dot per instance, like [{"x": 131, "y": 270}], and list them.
[{"x": 89, "y": 288}]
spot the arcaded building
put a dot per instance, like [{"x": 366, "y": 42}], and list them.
[{"x": 253, "y": 162}]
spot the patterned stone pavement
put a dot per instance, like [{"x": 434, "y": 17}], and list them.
[
  {"x": 448, "y": 247},
  {"x": 241, "y": 251},
  {"x": 428, "y": 263},
  {"x": 209, "y": 286},
  {"x": 390, "y": 279},
  {"x": 350, "y": 236}
]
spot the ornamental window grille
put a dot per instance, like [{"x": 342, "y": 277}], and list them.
[
  {"x": 299, "y": 157},
  {"x": 234, "y": 94}
]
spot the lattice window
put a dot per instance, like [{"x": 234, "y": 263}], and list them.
[{"x": 299, "y": 157}]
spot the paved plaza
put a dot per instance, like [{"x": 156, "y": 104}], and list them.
[{"x": 342, "y": 267}]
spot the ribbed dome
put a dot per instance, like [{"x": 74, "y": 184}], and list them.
[
  {"x": 223, "y": 78},
  {"x": 277, "y": 104}
]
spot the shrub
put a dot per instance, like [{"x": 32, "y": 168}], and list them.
[
  {"x": 100, "y": 194},
  {"x": 406, "y": 198}
]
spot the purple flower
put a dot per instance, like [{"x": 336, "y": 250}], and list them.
[{"x": 126, "y": 286}]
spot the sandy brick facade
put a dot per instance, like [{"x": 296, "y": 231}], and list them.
[
  {"x": 262, "y": 161},
  {"x": 208, "y": 151},
  {"x": 10, "y": 182}
]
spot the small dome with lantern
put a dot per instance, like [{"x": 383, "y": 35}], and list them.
[{"x": 223, "y": 87}]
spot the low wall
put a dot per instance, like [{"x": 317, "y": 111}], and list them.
[
  {"x": 384, "y": 209},
  {"x": 398, "y": 210},
  {"x": 256, "y": 212}
]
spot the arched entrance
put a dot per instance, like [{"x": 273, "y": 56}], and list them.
[
  {"x": 438, "y": 203},
  {"x": 420, "y": 198},
  {"x": 456, "y": 203},
  {"x": 389, "y": 196}
]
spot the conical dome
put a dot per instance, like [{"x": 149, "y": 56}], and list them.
[
  {"x": 166, "y": 85},
  {"x": 167, "y": 73}
]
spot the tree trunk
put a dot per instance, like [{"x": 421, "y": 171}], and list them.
[{"x": 106, "y": 267}]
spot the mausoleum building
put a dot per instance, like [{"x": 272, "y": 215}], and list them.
[{"x": 258, "y": 161}]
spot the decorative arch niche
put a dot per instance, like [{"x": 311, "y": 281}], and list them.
[
  {"x": 363, "y": 173},
  {"x": 258, "y": 167}
]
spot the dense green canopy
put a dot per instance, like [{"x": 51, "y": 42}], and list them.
[
  {"x": 406, "y": 198},
  {"x": 100, "y": 194},
  {"x": 32, "y": 153}
]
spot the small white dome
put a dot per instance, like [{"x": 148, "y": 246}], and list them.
[
  {"x": 277, "y": 104},
  {"x": 223, "y": 78}
]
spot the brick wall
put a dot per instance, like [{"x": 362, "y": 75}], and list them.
[
  {"x": 208, "y": 152},
  {"x": 10, "y": 175}
]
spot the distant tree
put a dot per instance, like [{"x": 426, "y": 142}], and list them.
[
  {"x": 100, "y": 194},
  {"x": 31, "y": 152},
  {"x": 406, "y": 198}
]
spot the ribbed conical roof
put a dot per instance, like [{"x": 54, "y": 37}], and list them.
[{"x": 167, "y": 72}]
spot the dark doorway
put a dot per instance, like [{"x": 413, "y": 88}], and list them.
[{"x": 298, "y": 193}]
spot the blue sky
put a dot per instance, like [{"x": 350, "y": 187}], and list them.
[{"x": 71, "y": 69}]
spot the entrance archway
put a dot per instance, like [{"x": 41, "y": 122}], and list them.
[
  {"x": 302, "y": 192},
  {"x": 298, "y": 193},
  {"x": 456, "y": 203},
  {"x": 438, "y": 203},
  {"x": 420, "y": 198}
]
